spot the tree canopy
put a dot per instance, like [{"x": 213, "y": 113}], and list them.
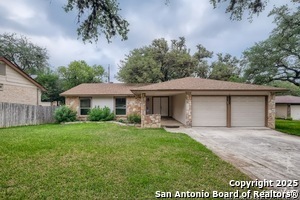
[
  {"x": 162, "y": 61},
  {"x": 278, "y": 57},
  {"x": 28, "y": 56},
  {"x": 159, "y": 62},
  {"x": 96, "y": 17},
  {"x": 53, "y": 84},
  {"x": 79, "y": 72}
]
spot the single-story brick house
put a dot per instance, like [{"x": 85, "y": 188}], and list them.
[
  {"x": 288, "y": 106},
  {"x": 16, "y": 86},
  {"x": 191, "y": 101}
]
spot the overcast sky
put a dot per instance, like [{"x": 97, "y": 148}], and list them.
[{"x": 46, "y": 24}]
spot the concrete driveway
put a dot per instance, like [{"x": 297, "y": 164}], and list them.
[{"x": 262, "y": 153}]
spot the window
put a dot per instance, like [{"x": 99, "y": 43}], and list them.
[
  {"x": 2, "y": 69},
  {"x": 120, "y": 106},
  {"x": 1, "y": 87},
  {"x": 85, "y": 106}
]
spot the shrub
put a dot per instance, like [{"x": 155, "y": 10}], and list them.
[
  {"x": 134, "y": 118},
  {"x": 64, "y": 114},
  {"x": 289, "y": 118},
  {"x": 101, "y": 114}
]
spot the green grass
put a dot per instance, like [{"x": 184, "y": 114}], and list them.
[
  {"x": 288, "y": 126},
  {"x": 105, "y": 161}
]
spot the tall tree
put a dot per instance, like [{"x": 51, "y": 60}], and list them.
[
  {"x": 226, "y": 68},
  {"x": 51, "y": 81},
  {"x": 278, "y": 57},
  {"x": 203, "y": 68},
  {"x": 79, "y": 72},
  {"x": 28, "y": 56},
  {"x": 158, "y": 62}
]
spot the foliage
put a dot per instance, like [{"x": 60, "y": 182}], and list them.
[
  {"x": 293, "y": 89},
  {"x": 103, "y": 16},
  {"x": 50, "y": 80},
  {"x": 19, "y": 50},
  {"x": 134, "y": 118},
  {"x": 161, "y": 62},
  {"x": 64, "y": 114},
  {"x": 113, "y": 162},
  {"x": 237, "y": 8},
  {"x": 226, "y": 68},
  {"x": 278, "y": 57},
  {"x": 98, "y": 17},
  {"x": 80, "y": 72},
  {"x": 100, "y": 114},
  {"x": 288, "y": 126}
]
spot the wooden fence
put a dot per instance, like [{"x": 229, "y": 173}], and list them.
[{"x": 12, "y": 114}]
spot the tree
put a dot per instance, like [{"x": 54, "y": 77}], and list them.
[
  {"x": 226, "y": 68},
  {"x": 158, "y": 62},
  {"x": 96, "y": 17},
  {"x": 293, "y": 89},
  {"x": 18, "y": 49},
  {"x": 278, "y": 57},
  {"x": 51, "y": 81},
  {"x": 79, "y": 72}
]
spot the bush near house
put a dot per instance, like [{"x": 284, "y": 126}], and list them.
[
  {"x": 134, "y": 118},
  {"x": 64, "y": 114},
  {"x": 101, "y": 114}
]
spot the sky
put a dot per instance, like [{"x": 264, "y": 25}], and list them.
[{"x": 46, "y": 24}]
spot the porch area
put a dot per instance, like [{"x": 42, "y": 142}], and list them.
[
  {"x": 170, "y": 122},
  {"x": 165, "y": 109}
]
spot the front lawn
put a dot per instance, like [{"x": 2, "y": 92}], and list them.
[
  {"x": 105, "y": 161},
  {"x": 288, "y": 126}
]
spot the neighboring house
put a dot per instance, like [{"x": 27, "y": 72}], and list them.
[
  {"x": 16, "y": 86},
  {"x": 191, "y": 101},
  {"x": 288, "y": 106}
]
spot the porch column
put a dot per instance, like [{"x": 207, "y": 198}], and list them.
[
  {"x": 143, "y": 109},
  {"x": 271, "y": 110},
  {"x": 188, "y": 109}
]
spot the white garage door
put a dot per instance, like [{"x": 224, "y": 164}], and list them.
[
  {"x": 295, "y": 112},
  {"x": 247, "y": 111},
  {"x": 209, "y": 111}
]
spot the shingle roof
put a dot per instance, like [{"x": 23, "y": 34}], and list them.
[
  {"x": 193, "y": 84},
  {"x": 287, "y": 99},
  {"x": 87, "y": 89},
  {"x": 183, "y": 84}
]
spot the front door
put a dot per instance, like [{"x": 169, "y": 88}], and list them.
[{"x": 161, "y": 106}]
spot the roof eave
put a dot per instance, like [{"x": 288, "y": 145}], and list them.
[
  {"x": 250, "y": 90},
  {"x": 18, "y": 69}
]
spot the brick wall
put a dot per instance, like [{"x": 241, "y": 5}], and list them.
[
  {"x": 73, "y": 103},
  {"x": 133, "y": 105},
  {"x": 271, "y": 110},
  {"x": 152, "y": 121},
  {"x": 20, "y": 94},
  {"x": 188, "y": 107}
]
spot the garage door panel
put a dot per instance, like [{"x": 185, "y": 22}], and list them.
[
  {"x": 247, "y": 111},
  {"x": 209, "y": 111},
  {"x": 295, "y": 112}
]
